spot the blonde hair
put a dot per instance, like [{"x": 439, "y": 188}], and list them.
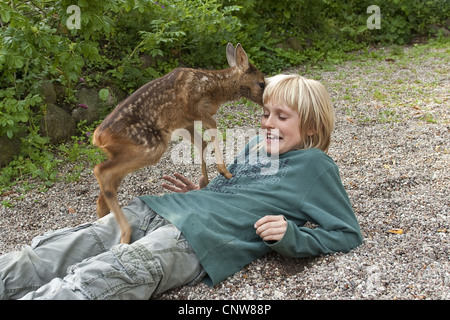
[{"x": 312, "y": 102}]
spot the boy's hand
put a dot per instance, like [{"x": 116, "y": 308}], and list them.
[
  {"x": 182, "y": 184},
  {"x": 271, "y": 228}
]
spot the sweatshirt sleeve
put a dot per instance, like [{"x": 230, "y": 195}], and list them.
[{"x": 326, "y": 204}]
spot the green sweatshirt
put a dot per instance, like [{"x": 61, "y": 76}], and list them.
[{"x": 218, "y": 221}]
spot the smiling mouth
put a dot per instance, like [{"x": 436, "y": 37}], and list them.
[{"x": 273, "y": 138}]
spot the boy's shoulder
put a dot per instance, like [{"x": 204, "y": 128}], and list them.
[
  {"x": 314, "y": 160},
  {"x": 311, "y": 154}
]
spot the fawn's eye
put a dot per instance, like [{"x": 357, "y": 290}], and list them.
[{"x": 261, "y": 85}]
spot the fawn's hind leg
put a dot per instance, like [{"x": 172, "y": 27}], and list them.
[
  {"x": 102, "y": 206},
  {"x": 110, "y": 173}
]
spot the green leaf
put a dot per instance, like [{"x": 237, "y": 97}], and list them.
[
  {"x": 18, "y": 62},
  {"x": 103, "y": 94},
  {"x": 153, "y": 72},
  {"x": 83, "y": 3},
  {"x": 5, "y": 15},
  {"x": 23, "y": 118}
]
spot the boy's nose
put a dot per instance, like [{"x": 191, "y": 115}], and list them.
[{"x": 269, "y": 122}]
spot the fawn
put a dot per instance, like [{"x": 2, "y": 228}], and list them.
[{"x": 137, "y": 132}]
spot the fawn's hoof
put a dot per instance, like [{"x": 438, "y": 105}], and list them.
[
  {"x": 227, "y": 175},
  {"x": 224, "y": 171},
  {"x": 125, "y": 238}
]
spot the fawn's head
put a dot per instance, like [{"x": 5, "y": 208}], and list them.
[{"x": 250, "y": 80}]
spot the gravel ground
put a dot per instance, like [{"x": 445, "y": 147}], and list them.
[{"x": 392, "y": 145}]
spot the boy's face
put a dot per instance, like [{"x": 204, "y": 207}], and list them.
[{"x": 282, "y": 128}]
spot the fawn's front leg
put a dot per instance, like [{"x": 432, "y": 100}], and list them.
[
  {"x": 195, "y": 137},
  {"x": 211, "y": 124}
]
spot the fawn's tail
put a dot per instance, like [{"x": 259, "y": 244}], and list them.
[
  {"x": 96, "y": 138},
  {"x": 102, "y": 139}
]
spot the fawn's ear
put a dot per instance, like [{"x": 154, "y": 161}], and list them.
[
  {"x": 231, "y": 55},
  {"x": 241, "y": 58}
]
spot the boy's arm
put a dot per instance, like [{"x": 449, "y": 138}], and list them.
[{"x": 327, "y": 205}]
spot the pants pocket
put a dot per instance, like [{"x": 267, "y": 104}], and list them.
[{"x": 124, "y": 272}]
